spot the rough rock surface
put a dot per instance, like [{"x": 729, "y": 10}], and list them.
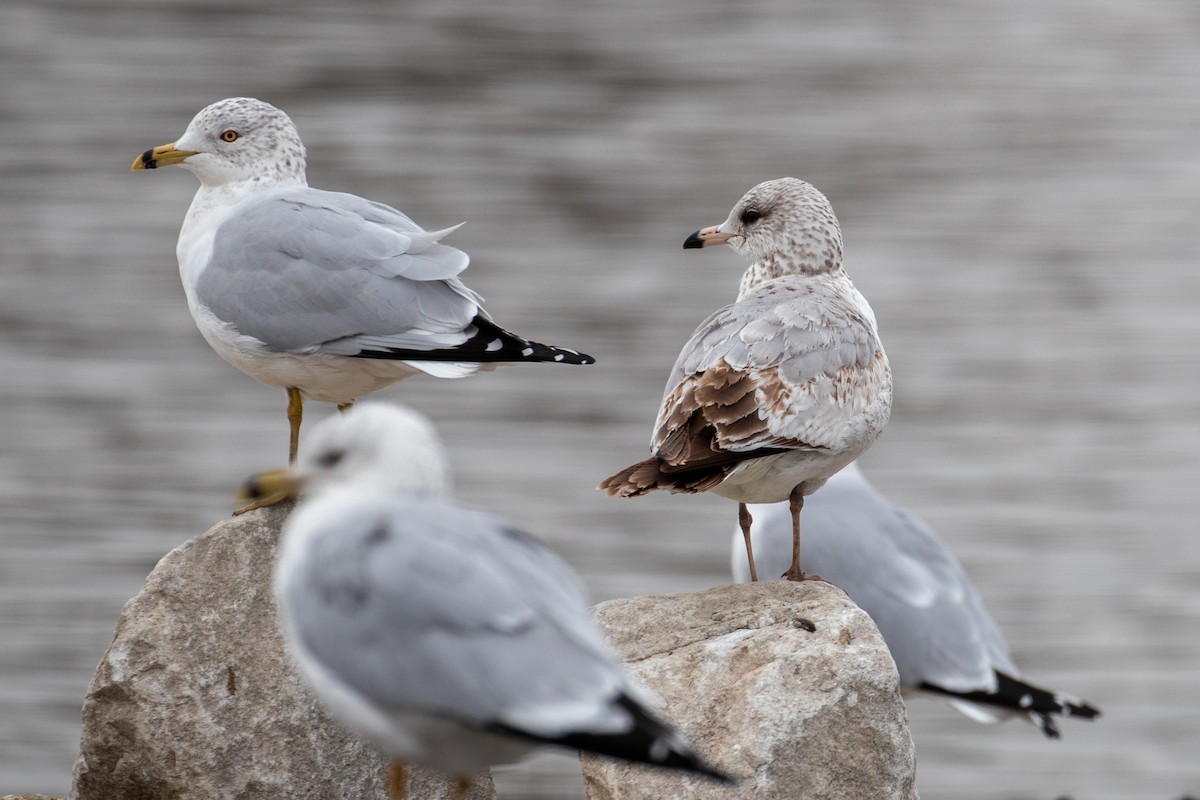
[
  {"x": 195, "y": 698},
  {"x": 788, "y": 687}
]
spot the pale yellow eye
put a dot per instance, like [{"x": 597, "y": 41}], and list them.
[{"x": 230, "y": 135}]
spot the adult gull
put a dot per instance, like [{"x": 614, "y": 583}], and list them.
[
  {"x": 896, "y": 569},
  {"x": 327, "y": 295},
  {"x": 781, "y": 389},
  {"x": 443, "y": 635}
]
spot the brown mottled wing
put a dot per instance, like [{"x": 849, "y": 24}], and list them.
[
  {"x": 791, "y": 366},
  {"x": 797, "y": 365}
]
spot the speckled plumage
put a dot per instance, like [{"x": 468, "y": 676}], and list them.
[{"x": 782, "y": 388}]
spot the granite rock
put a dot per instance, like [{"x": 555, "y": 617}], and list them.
[
  {"x": 787, "y": 686},
  {"x": 195, "y": 699}
]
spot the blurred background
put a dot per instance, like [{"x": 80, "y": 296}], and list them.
[{"x": 1018, "y": 183}]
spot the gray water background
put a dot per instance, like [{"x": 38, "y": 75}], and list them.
[{"x": 1019, "y": 187}]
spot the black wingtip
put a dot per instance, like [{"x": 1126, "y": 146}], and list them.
[
  {"x": 692, "y": 242},
  {"x": 651, "y": 741},
  {"x": 489, "y": 344},
  {"x": 1039, "y": 704}
]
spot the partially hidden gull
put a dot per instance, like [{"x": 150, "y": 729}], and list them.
[
  {"x": 896, "y": 569},
  {"x": 445, "y": 636},
  {"x": 778, "y": 391},
  {"x": 327, "y": 295}
]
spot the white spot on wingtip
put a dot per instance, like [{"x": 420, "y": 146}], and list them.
[
  {"x": 494, "y": 344},
  {"x": 559, "y": 357},
  {"x": 1026, "y": 701},
  {"x": 528, "y": 351}
]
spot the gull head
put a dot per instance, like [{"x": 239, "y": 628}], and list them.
[
  {"x": 786, "y": 225},
  {"x": 384, "y": 446},
  {"x": 238, "y": 140},
  {"x": 371, "y": 447}
]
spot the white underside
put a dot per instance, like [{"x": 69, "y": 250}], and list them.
[
  {"x": 771, "y": 479},
  {"x": 330, "y": 379}
]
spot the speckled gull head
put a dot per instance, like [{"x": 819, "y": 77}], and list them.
[
  {"x": 783, "y": 226},
  {"x": 375, "y": 447},
  {"x": 235, "y": 140}
]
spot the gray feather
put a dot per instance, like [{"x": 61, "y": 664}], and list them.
[
  {"x": 301, "y": 268},
  {"x": 398, "y": 593},
  {"x": 897, "y": 570}
]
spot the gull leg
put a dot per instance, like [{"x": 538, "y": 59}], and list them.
[
  {"x": 794, "y": 573},
  {"x": 795, "y": 503},
  {"x": 744, "y": 519},
  {"x": 397, "y": 781},
  {"x": 295, "y": 413}
]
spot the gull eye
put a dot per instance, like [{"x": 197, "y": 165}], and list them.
[
  {"x": 230, "y": 136},
  {"x": 751, "y": 216},
  {"x": 331, "y": 458}
]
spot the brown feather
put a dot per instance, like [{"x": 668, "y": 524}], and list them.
[
  {"x": 655, "y": 473},
  {"x": 714, "y": 411}
]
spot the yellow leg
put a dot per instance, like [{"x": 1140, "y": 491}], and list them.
[
  {"x": 745, "y": 520},
  {"x": 795, "y": 504},
  {"x": 397, "y": 781},
  {"x": 295, "y": 412}
]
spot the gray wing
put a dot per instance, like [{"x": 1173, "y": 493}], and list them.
[
  {"x": 421, "y": 606},
  {"x": 781, "y": 368},
  {"x": 313, "y": 271},
  {"x": 896, "y": 569}
]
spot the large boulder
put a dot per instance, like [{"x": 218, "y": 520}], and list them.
[
  {"x": 195, "y": 697},
  {"x": 787, "y": 686}
]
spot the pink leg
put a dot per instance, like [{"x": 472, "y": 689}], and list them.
[
  {"x": 744, "y": 519},
  {"x": 795, "y": 504}
]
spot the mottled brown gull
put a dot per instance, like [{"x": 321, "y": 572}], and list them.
[
  {"x": 327, "y": 295},
  {"x": 781, "y": 389}
]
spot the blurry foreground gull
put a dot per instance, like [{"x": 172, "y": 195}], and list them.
[
  {"x": 781, "y": 389},
  {"x": 896, "y": 569},
  {"x": 444, "y": 636},
  {"x": 327, "y": 295}
]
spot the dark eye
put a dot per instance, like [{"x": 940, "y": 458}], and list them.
[
  {"x": 230, "y": 135},
  {"x": 750, "y": 216},
  {"x": 331, "y": 458}
]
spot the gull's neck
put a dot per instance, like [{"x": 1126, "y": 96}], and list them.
[
  {"x": 773, "y": 267},
  {"x": 212, "y": 196}
]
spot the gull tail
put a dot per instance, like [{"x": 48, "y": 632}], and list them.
[
  {"x": 1017, "y": 695},
  {"x": 654, "y": 473},
  {"x": 651, "y": 741}
]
